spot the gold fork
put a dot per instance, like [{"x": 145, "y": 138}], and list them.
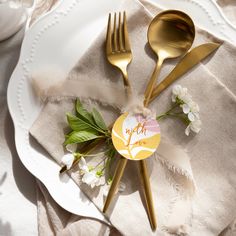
[
  {"x": 118, "y": 52},
  {"x": 118, "y": 49}
]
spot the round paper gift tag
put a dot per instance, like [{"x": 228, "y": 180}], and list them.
[{"x": 135, "y": 137}]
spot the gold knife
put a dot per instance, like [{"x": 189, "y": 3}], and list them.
[{"x": 191, "y": 59}]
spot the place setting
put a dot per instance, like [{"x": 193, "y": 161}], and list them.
[{"x": 136, "y": 126}]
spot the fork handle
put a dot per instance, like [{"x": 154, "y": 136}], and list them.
[
  {"x": 148, "y": 194},
  {"x": 126, "y": 83},
  {"x": 115, "y": 182}
]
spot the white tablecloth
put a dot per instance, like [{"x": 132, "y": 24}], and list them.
[{"x": 18, "y": 212}]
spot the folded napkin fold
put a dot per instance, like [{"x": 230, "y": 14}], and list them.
[{"x": 212, "y": 151}]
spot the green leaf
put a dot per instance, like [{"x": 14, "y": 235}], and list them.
[
  {"x": 78, "y": 124},
  {"x": 80, "y": 137},
  {"x": 83, "y": 113},
  {"x": 99, "y": 120}
]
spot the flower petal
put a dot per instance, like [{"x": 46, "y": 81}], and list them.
[
  {"x": 196, "y": 114},
  {"x": 186, "y": 108},
  {"x": 173, "y": 98},
  {"x": 191, "y": 116},
  {"x": 187, "y": 130},
  {"x": 89, "y": 178},
  {"x": 176, "y": 89},
  {"x": 83, "y": 165},
  {"x": 67, "y": 160},
  {"x": 194, "y": 107},
  {"x": 196, "y": 126},
  {"x": 186, "y": 98}
]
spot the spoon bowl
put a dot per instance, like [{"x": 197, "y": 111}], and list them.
[{"x": 170, "y": 35}]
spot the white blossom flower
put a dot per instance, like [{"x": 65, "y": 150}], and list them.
[
  {"x": 194, "y": 107},
  {"x": 181, "y": 93},
  {"x": 67, "y": 160},
  {"x": 91, "y": 178},
  {"x": 191, "y": 109},
  {"x": 195, "y": 126},
  {"x": 181, "y": 97}
]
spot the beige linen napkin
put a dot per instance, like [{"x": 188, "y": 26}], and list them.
[{"x": 216, "y": 194}]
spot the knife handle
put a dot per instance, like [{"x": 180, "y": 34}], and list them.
[
  {"x": 191, "y": 59},
  {"x": 160, "y": 87}
]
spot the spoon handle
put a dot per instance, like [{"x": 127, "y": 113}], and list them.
[
  {"x": 152, "y": 81},
  {"x": 143, "y": 164}
]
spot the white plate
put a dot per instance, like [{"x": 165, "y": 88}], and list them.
[{"x": 60, "y": 38}]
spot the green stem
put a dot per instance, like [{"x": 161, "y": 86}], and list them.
[
  {"x": 164, "y": 115},
  {"x": 161, "y": 116},
  {"x": 177, "y": 115},
  {"x": 77, "y": 154},
  {"x": 108, "y": 164},
  {"x": 100, "y": 162},
  {"x": 180, "y": 116}
]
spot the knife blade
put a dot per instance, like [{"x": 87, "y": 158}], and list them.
[{"x": 191, "y": 59}]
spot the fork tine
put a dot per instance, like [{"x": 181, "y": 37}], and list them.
[
  {"x": 120, "y": 32},
  {"x": 126, "y": 36},
  {"x": 108, "y": 38},
  {"x": 115, "y": 34}
]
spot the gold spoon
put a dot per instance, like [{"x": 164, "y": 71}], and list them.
[{"x": 170, "y": 35}]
